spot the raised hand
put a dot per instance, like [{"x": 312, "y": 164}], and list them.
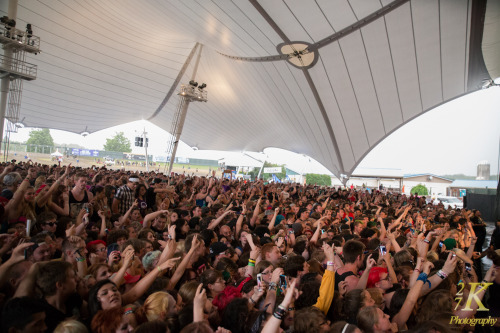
[
  {"x": 426, "y": 268},
  {"x": 200, "y": 296},
  {"x": 18, "y": 252},
  {"x": 450, "y": 264},
  {"x": 370, "y": 263}
]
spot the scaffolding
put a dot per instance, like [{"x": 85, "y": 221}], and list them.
[{"x": 13, "y": 71}]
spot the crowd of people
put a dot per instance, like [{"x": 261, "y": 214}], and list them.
[{"x": 97, "y": 250}]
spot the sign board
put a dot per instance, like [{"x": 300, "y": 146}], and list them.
[
  {"x": 84, "y": 152},
  {"x": 273, "y": 170}
]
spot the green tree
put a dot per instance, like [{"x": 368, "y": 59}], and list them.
[
  {"x": 281, "y": 175},
  {"x": 39, "y": 137},
  {"x": 118, "y": 143},
  {"x": 320, "y": 180},
  {"x": 420, "y": 190}
]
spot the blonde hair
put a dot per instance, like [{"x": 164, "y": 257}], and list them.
[
  {"x": 39, "y": 181},
  {"x": 376, "y": 294},
  {"x": 156, "y": 304},
  {"x": 71, "y": 326},
  {"x": 188, "y": 290}
]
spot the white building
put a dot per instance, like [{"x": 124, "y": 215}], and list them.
[{"x": 436, "y": 185}]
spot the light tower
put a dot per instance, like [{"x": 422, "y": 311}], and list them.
[
  {"x": 188, "y": 93},
  {"x": 14, "y": 69}
]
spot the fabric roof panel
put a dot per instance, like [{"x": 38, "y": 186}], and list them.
[
  {"x": 341, "y": 83},
  {"x": 426, "y": 18},
  {"x": 360, "y": 75},
  {"x": 400, "y": 32},
  {"x": 383, "y": 74},
  {"x": 453, "y": 46},
  {"x": 316, "y": 26},
  {"x": 336, "y": 119},
  {"x": 338, "y": 13},
  {"x": 283, "y": 16},
  {"x": 363, "y": 8}
]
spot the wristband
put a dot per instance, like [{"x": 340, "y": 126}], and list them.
[
  {"x": 330, "y": 263},
  {"x": 280, "y": 312},
  {"x": 80, "y": 259},
  {"x": 159, "y": 269},
  {"x": 273, "y": 286},
  {"x": 252, "y": 301},
  {"x": 427, "y": 241},
  {"x": 441, "y": 274},
  {"x": 423, "y": 277},
  {"x": 277, "y": 315},
  {"x": 251, "y": 264}
]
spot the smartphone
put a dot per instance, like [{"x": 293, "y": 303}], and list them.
[
  {"x": 259, "y": 280},
  {"x": 468, "y": 267},
  {"x": 322, "y": 231},
  {"x": 290, "y": 231},
  {"x": 383, "y": 250},
  {"x": 283, "y": 283},
  {"x": 441, "y": 244}
]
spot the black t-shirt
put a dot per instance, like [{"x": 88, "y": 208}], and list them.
[
  {"x": 53, "y": 316},
  {"x": 151, "y": 197}
]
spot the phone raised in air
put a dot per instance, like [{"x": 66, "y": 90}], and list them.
[
  {"x": 283, "y": 283},
  {"x": 259, "y": 280}
]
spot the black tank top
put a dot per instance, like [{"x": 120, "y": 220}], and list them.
[{"x": 75, "y": 206}]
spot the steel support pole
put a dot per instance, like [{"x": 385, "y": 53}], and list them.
[
  {"x": 12, "y": 14},
  {"x": 178, "y": 133},
  {"x": 146, "y": 148}
]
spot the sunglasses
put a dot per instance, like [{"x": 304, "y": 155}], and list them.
[{"x": 51, "y": 224}]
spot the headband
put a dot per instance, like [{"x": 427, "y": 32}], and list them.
[{"x": 243, "y": 283}]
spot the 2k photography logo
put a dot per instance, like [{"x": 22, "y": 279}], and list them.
[{"x": 475, "y": 290}]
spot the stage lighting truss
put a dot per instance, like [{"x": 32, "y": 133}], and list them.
[{"x": 193, "y": 92}]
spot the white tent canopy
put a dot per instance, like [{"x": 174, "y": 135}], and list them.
[
  {"x": 56, "y": 154},
  {"x": 329, "y": 78},
  {"x": 240, "y": 160}
]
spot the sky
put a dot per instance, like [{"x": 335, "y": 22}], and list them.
[{"x": 450, "y": 139}]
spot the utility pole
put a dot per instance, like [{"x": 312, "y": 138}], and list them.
[{"x": 144, "y": 133}]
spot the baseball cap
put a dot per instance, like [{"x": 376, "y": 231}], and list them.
[{"x": 217, "y": 248}]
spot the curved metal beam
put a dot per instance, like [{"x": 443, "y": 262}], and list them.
[
  {"x": 176, "y": 82},
  {"x": 325, "y": 41}
]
